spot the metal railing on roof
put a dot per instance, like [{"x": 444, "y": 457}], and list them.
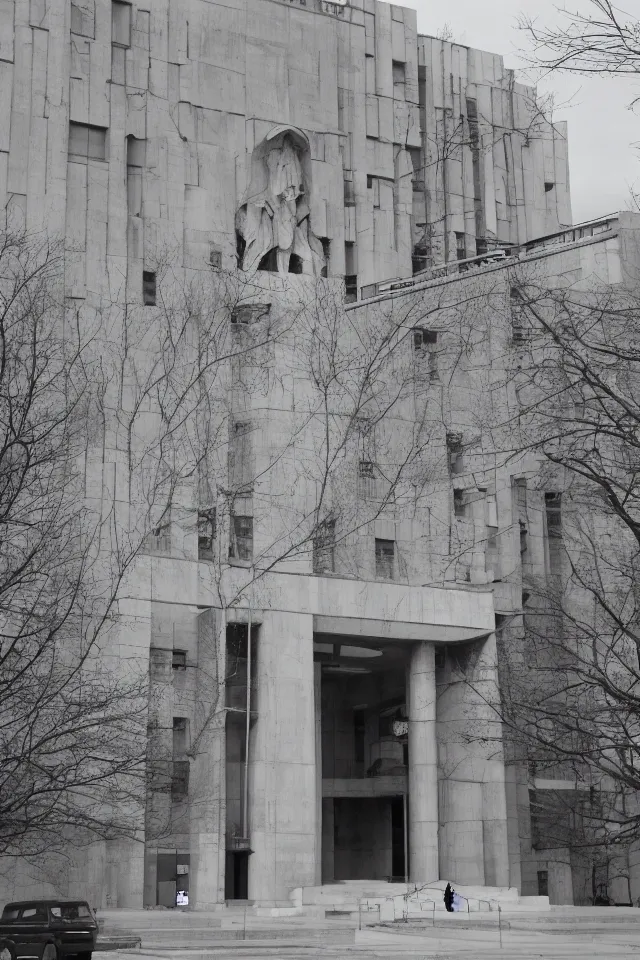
[{"x": 501, "y": 254}]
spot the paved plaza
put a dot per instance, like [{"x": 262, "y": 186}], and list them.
[{"x": 561, "y": 933}]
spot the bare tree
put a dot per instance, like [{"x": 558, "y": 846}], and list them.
[{"x": 604, "y": 40}]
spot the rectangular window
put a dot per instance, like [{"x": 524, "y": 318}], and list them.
[
  {"x": 424, "y": 346},
  {"x": 349, "y": 194},
  {"x": 399, "y": 74},
  {"x": 159, "y": 538},
  {"x": 240, "y": 455},
  {"x": 179, "y": 660},
  {"x": 358, "y": 736},
  {"x": 87, "y": 142},
  {"x": 241, "y": 538},
  {"x": 520, "y": 509},
  {"x": 461, "y": 246},
  {"x": 180, "y": 733},
  {"x": 120, "y": 23},
  {"x": 454, "y": 451},
  {"x": 148, "y": 288},
  {"x": 350, "y": 288},
  {"x": 385, "y": 559},
  {"x": 180, "y": 778},
  {"x": 552, "y": 504},
  {"x": 215, "y": 257},
  {"x": 520, "y": 330},
  {"x": 459, "y": 503},
  {"x": 206, "y": 532},
  {"x": 543, "y": 883},
  {"x": 417, "y": 179},
  {"x": 324, "y": 547}
]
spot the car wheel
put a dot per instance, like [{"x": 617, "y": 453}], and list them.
[
  {"x": 50, "y": 952},
  {"x": 7, "y": 952}
]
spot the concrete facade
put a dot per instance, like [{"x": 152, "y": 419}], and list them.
[{"x": 312, "y": 698}]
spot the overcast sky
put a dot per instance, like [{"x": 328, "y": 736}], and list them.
[{"x": 603, "y": 162}]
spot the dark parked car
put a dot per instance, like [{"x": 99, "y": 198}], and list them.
[{"x": 47, "y": 930}]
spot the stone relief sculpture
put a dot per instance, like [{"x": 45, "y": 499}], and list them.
[{"x": 273, "y": 220}]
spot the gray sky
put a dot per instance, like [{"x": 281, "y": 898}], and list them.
[{"x": 603, "y": 162}]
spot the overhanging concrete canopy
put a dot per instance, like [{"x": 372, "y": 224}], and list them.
[{"x": 390, "y": 630}]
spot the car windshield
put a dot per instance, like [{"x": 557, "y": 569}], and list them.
[{"x": 10, "y": 913}]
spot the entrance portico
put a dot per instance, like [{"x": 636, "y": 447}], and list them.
[{"x": 373, "y": 746}]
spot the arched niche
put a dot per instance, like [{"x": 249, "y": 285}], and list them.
[{"x": 273, "y": 222}]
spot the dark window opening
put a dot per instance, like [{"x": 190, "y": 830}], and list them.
[
  {"x": 519, "y": 326},
  {"x": 417, "y": 179},
  {"x": 461, "y": 246},
  {"x": 241, "y": 538},
  {"x": 420, "y": 257},
  {"x": 324, "y": 547},
  {"x": 459, "y": 503},
  {"x": 548, "y": 186},
  {"x": 440, "y": 657},
  {"x": 179, "y": 660},
  {"x": 241, "y": 245},
  {"x": 385, "y": 559},
  {"x": 552, "y": 503},
  {"x": 349, "y": 194},
  {"x": 206, "y": 532},
  {"x": 148, "y": 288},
  {"x": 543, "y": 883},
  {"x": 481, "y": 246},
  {"x": 350, "y": 289},
  {"x": 358, "y": 735},
  {"x": 326, "y": 253},
  {"x": 398, "y": 868},
  {"x": 270, "y": 261},
  {"x": 215, "y": 257},
  {"x": 295, "y": 263},
  {"x": 180, "y": 734},
  {"x": 369, "y": 182}
]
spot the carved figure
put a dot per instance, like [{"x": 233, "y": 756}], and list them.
[{"x": 276, "y": 215}]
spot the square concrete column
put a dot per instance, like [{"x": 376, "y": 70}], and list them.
[
  {"x": 473, "y": 809},
  {"x": 282, "y": 768},
  {"x": 207, "y": 774},
  {"x": 423, "y": 765}
]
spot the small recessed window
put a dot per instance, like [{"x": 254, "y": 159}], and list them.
[
  {"x": 369, "y": 182},
  {"x": 350, "y": 289},
  {"x": 241, "y": 538},
  {"x": 215, "y": 257},
  {"x": 206, "y": 532},
  {"x": 459, "y": 503},
  {"x": 385, "y": 559},
  {"x": 87, "y": 142},
  {"x": 149, "y": 288},
  {"x": 120, "y": 23},
  {"x": 548, "y": 186},
  {"x": 179, "y": 660}
]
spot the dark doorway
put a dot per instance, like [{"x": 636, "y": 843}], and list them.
[
  {"x": 236, "y": 880},
  {"x": 397, "y": 839}
]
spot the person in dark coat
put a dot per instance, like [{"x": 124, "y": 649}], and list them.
[{"x": 448, "y": 897}]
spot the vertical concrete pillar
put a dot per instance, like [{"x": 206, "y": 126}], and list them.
[
  {"x": 423, "y": 768},
  {"x": 207, "y": 772},
  {"x": 282, "y": 780},
  {"x": 473, "y": 810},
  {"x": 317, "y": 699}
]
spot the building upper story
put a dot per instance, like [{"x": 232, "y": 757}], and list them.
[{"x": 173, "y": 130}]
